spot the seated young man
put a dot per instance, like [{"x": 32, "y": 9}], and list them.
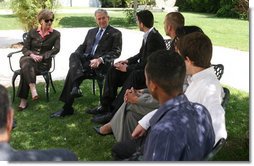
[
  {"x": 180, "y": 130},
  {"x": 203, "y": 87}
]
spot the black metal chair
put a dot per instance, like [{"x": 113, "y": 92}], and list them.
[
  {"x": 219, "y": 70},
  {"x": 225, "y": 98},
  {"x": 100, "y": 82},
  {"x": 216, "y": 149},
  {"x": 46, "y": 74},
  {"x": 167, "y": 42}
]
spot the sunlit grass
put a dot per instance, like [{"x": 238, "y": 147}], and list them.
[{"x": 36, "y": 130}]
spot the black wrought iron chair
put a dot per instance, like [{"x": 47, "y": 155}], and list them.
[
  {"x": 219, "y": 70},
  {"x": 216, "y": 149},
  {"x": 46, "y": 74},
  {"x": 100, "y": 81}
]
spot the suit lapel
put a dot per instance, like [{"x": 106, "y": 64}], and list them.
[{"x": 106, "y": 34}]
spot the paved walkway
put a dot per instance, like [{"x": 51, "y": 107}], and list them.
[{"x": 236, "y": 63}]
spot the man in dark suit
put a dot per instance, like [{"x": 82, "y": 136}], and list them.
[
  {"x": 102, "y": 45},
  {"x": 7, "y": 153},
  {"x": 128, "y": 73}
]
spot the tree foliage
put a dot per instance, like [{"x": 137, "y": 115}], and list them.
[
  {"x": 222, "y": 8},
  {"x": 27, "y": 10}
]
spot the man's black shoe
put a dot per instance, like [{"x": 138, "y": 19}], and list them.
[
  {"x": 76, "y": 92},
  {"x": 61, "y": 113},
  {"x": 102, "y": 119},
  {"x": 96, "y": 111}
]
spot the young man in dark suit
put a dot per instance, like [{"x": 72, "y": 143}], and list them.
[
  {"x": 7, "y": 153},
  {"x": 102, "y": 45},
  {"x": 128, "y": 73}
]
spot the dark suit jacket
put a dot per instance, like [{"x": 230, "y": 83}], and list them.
[
  {"x": 153, "y": 43},
  {"x": 109, "y": 47},
  {"x": 46, "y": 47},
  {"x": 7, "y": 153}
]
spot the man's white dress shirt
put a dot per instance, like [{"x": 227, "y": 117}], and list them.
[{"x": 203, "y": 88}]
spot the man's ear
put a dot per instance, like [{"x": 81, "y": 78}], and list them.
[
  {"x": 153, "y": 86},
  {"x": 188, "y": 59},
  {"x": 10, "y": 115}
]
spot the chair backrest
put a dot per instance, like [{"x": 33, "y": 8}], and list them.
[
  {"x": 225, "y": 98},
  {"x": 167, "y": 43},
  {"x": 24, "y": 36},
  {"x": 219, "y": 70},
  {"x": 216, "y": 149}
]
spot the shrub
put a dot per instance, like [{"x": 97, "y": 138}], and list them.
[
  {"x": 130, "y": 15},
  {"x": 234, "y": 8},
  {"x": 206, "y": 6},
  {"x": 27, "y": 10}
]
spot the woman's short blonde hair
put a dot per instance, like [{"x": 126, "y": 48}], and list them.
[{"x": 45, "y": 14}]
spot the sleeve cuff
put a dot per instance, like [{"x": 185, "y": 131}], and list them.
[
  {"x": 145, "y": 121},
  {"x": 102, "y": 61}
]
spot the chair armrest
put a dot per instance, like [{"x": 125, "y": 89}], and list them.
[
  {"x": 9, "y": 56},
  {"x": 12, "y": 53}
]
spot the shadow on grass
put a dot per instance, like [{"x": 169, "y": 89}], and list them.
[
  {"x": 36, "y": 130},
  {"x": 8, "y": 16},
  {"x": 87, "y": 21},
  {"x": 237, "y": 124}
]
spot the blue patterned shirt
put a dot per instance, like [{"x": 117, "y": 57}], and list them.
[{"x": 180, "y": 131}]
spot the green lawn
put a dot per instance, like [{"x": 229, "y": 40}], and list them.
[
  {"x": 231, "y": 33},
  {"x": 35, "y": 130}
]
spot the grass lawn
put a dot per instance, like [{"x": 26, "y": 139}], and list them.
[
  {"x": 226, "y": 32},
  {"x": 36, "y": 130}
]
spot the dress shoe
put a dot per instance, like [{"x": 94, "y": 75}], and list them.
[
  {"x": 76, "y": 92},
  {"x": 97, "y": 130},
  {"x": 102, "y": 119},
  {"x": 22, "y": 108},
  {"x": 61, "y": 113},
  {"x": 96, "y": 111}
]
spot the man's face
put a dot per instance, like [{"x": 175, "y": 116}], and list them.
[
  {"x": 139, "y": 24},
  {"x": 102, "y": 20},
  {"x": 188, "y": 63},
  {"x": 150, "y": 86}
]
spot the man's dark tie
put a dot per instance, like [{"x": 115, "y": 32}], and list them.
[{"x": 97, "y": 39}]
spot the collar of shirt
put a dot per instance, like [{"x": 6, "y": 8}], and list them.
[
  {"x": 201, "y": 75},
  {"x": 169, "y": 105},
  {"x": 50, "y": 30},
  {"x": 147, "y": 33},
  {"x": 103, "y": 30}
]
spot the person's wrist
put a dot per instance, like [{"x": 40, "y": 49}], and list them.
[{"x": 101, "y": 60}]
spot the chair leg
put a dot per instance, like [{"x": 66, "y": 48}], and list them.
[
  {"x": 46, "y": 77},
  {"x": 13, "y": 84},
  {"x": 94, "y": 88},
  {"x": 51, "y": 82},
  {"x": 100, "y": 84}
]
